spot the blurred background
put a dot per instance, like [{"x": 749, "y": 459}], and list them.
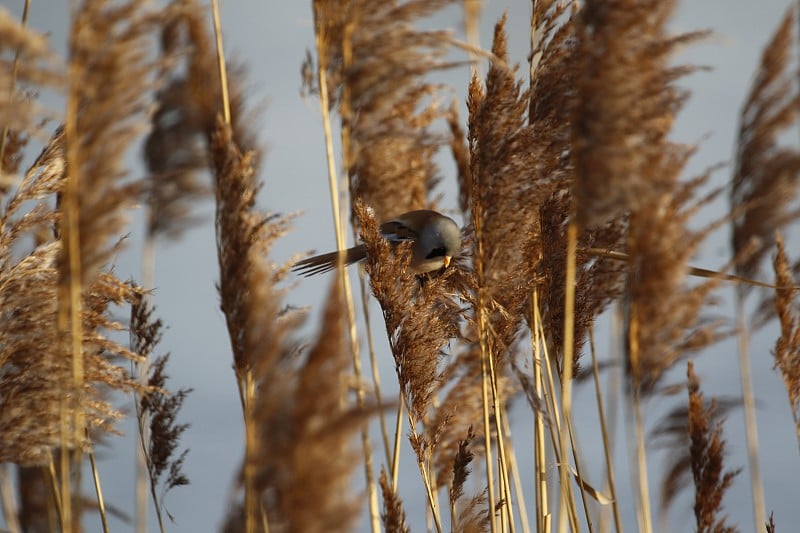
[{"x": 271, "y": 38}]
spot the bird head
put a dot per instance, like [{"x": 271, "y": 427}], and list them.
[{"x": 438, "y": 242}]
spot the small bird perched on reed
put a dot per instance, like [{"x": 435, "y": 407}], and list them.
[{"x": 435, "y": 237}]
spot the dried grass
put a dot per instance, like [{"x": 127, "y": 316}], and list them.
[
  {"x": 376, "y": 63},
  {"x": 33, "y": 361},
  {"x": 766, "y": 175},
  {"x": 787, "y": 347}
]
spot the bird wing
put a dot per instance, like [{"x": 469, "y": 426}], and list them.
[{"x": 396, "y": 230}]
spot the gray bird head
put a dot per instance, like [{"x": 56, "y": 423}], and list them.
[{"x": 439, "y": 241}]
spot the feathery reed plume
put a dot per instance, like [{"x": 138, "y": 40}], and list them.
[
  {"x": 693, "y": 434},
  {"x": 673, "y": 435},
  {"x": 165, "y": 433},
  {"x": 181, "y": 124},
  {"x": 393, "y": 515},
  {"x": 243, "y": 238},
  {"x": 766, "y": 175},
  {"x": 26, "y": 61},
  {"x": 599, "y": 281},
  {"x": 305, "y": 427},
  {"x": 111, "y": 73},
  {"x": 32, "y": 363},
  {"x": 248, "y": 297},
  {"x": 657, "y": 340},
  {"x": 626, "y": 107},
  {"x": 473, "y": 515},
  {"x": 554, "y": 72},
  {"x": 706, "y": 452},
  {"x": 506, "y": 192},
  {"x": 625, "y": 165},
  {"x": 294, "y": 417},
  {"x": 420, "y": 320},
  {"x": 160, "y": 407},
  {"x": 461, "y": 469},
  {"x": 787, "y": 347},
  {"x": 770, "y": 525},
  {"x": 763, "y": 189},
  {"x": 377, "y": 62},
  {"x": 508, "y": 186},
  {"x": 458, "y": 412},
  {"x": 627, "y": 102}
]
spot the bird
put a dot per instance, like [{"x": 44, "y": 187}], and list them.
[{"x": 436, "y": 240}]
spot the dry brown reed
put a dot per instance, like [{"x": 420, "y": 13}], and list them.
[
  {"x": 765, "y": 179},
  {"x": 707, "y": 452},
  {"x": 307, "y": 430},
  {"x": 626, "y": 107},
  {"x": 377, "y": 62},
  {"x": 26, "y": 61},
  {"x": 393, "y": 515},
  {"x": 459, "y": 411},
  {"x": 553, "y": 101},
  {"x": 32, "y": 359},
  {"x": 111, "y": 71},
  {"x": 159, "y": 409},
  {"x": 625, "y": 164},
  {"x": 508, "y": 186},
  {"x": 770, "y": 525},
  {"x": 420, "y": 317},
  {"x": 787, "y": 347},
  {"x": 186, "y": 107},
  {"x": 460, "y": 152},
  {"x": 680, "y": 429},
  {"x": 34, "y": 364},
  {"x": 762, "y": 193},
  {"x": 298, "y": 428}
]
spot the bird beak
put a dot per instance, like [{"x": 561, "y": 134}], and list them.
[{"x": 447, "y": 260}]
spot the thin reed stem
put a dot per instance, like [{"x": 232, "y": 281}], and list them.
[
  {"x": 643, "y": 509},
  {"x": 601, "y": 413},
  {"x": 53, "y": 478},
  {"x": 101, "y": 505},
  {"x": 540, "y": 456},
  {"x": 397, "y": 436},
  {"x": 749, "y": 405},
  {"x": 13, "y": 84},
  {"x": 556, "y": 429},
  {"x": 514, "y": 470},
  {"x": 566, "y": 371},
  {"x": 341, "y": 245},
  {"x": 251, "y": 500},
  {"x": 142, "y": 370},
  {"x": 487, "y": 429},
  {"x": 505, "y": 487},
  {"x": 575, "y": 457},
  {"x": 223, "y": 71},
  {"x": 70, "y": 304},
  {"x": 426, "y": 479}
]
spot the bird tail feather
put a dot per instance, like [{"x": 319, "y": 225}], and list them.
[{"x": 326, "y": 262}]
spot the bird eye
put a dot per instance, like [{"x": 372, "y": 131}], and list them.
[{"x": 436, "y": 252}]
